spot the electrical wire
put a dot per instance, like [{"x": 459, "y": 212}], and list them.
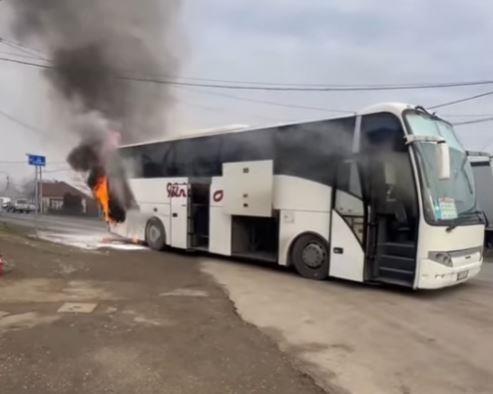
[
  {"x": 466, "y": 115},
  {"x": 24, "y": 62},
  {"x": 23, "y": 48},
  {"x": 304, "y": 89},
  {"x": 303, "y": 86},
  {"x": 22, "y": 123},
  {"x": 19, "y": 55},
  {"x": 462, "y": 100},
  {"x": 332, "y": 88},
  {"x": 268, "y": 102},
  {"x": 217, "y": 94},
  {"x": 475, "y": 121}
]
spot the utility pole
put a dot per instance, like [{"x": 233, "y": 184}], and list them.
[
  {"x": 7, "y": 179},
  {"x": 38, "y": 162},
  {"x": 40, "y": 189},
  {"x": 36, "y": 200}
]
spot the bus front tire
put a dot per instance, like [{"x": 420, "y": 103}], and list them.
[
  {"x": 310, "y": 256},
  {"x": 155, "y": 234}
]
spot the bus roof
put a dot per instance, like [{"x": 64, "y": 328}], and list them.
[{"x": 395, "y": 108}]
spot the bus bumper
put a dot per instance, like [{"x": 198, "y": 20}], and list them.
[{"x": 434, "y": 275}]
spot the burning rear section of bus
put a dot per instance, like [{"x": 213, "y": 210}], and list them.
[
  {"x": 106, "y": 177},
  {"x": 114, "y": 207},
  {"x": 102, "y": 194}
]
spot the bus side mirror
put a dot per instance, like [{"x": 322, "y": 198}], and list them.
[{"x": 443, "y": 159}]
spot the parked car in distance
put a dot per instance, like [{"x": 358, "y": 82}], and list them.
[
  {"x": 22, "y": 206},
  {"x": 5, "y": 203}
]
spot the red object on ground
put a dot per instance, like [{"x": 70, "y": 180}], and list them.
[{"x": 4, "y": 266}]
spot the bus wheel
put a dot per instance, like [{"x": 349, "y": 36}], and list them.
[
  {"x": 155, "y": 235},
  {"x": 310, "y": 256}
]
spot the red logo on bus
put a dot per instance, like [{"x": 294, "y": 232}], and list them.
[
  {"x": 218, "y": 196},
  {"x": 177, "y": 190}
]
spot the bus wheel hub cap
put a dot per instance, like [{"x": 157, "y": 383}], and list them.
[
  {"x": 154, "y": 233},
  {"x": 313, "y": 255}
]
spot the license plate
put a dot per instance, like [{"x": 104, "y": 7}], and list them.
[{"x": 462, "y": 275}]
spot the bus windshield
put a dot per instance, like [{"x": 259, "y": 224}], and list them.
[{"x": 444, "y": 200}]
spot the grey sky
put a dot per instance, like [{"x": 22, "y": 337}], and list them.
[{"x": 291, "y": 41}]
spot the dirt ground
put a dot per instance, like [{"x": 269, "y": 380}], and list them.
[
  {"x": 371, "y": 339},
  {"x": 159, "y": 325}
]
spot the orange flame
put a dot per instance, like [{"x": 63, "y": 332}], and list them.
[{"x": 101, "y": 191}]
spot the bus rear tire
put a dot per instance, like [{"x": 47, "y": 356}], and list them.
[
  {"x": 155, "y": 234},
  {"x": 310, "y": 256}
]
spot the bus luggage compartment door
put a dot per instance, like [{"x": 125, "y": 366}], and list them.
[{"x": 179, "y": 215}]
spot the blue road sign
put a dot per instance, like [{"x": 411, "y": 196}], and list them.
[{"x": 38, "y": 161}]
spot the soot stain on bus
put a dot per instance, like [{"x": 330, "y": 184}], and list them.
[{"x": 94, "y": 47}]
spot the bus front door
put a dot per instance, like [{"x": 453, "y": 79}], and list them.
[{"x": 390, "y": 194}]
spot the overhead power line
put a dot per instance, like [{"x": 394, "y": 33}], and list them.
[
  {"x": 20, "y": 47},
  {"x": 263, "y": 84},
  {"x": 462, "y": 100},
  {"x": 466, "y": 115},
  {"x": 319, "y": 85},
  {"x": 218, "y": 94},
  {"x": 475, "y": 121},
  {"x": 327, "y": 88},
  {"x": 305, "y": 89},
  {"x": 269, "y": 102},
  {"x": 25, "y": 62},
  {"x": 22, "y": 123},
  {"x": 19, "y": 55}
]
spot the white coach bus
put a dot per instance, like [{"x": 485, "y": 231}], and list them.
[{"x": 386, "y": 195}]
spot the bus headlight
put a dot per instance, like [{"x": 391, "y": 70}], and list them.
[{"x": 441, "y": 257}]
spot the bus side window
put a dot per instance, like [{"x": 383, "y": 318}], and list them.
[
  {"x": 207, "y": 156},
  {"x": 167, "y": 155},
  {"x": 251, "y": 146}
]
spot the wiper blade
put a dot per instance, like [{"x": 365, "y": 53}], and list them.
[
  {"x": 460, "y": 220},
  {"x": 452, "y": 226}
]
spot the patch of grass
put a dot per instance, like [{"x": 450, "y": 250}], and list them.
[{"x": 8, "y": 229}]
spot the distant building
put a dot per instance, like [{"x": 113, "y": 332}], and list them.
[{"x": 62, "y": 198}]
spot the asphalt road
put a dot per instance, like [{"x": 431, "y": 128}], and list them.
[
  {"x": 345, "y": 337},
  {"x": 67, "y": 224}
]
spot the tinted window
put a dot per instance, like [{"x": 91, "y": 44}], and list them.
[
  {"x": 192, "y": 157},
  {"x": 309, "y": 151},
  {"x": 248, "y": 146},
  {"x": 197, "y": 157},
  {"x": 382, "y": 131},
  {"x": 312, "y": 150}
]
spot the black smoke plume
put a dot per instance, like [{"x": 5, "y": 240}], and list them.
[{"x": 95, "y": 48}]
